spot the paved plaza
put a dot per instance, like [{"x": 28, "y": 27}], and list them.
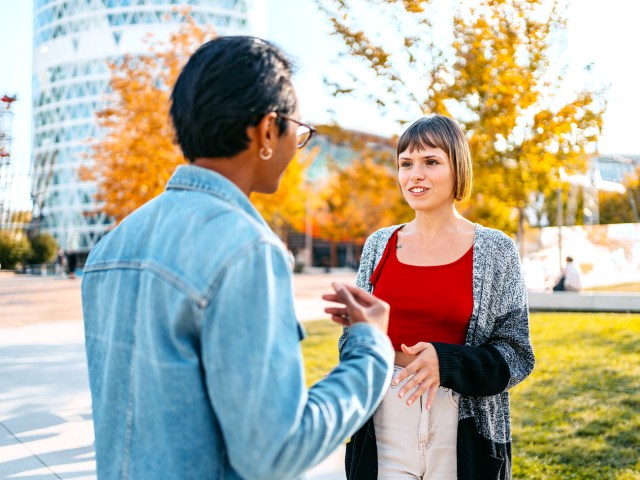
[{"x": 46, "y": 431}]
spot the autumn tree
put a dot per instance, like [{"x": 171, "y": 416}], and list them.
[
  {"x": 134, "y": 159},
  {"x": 492, "y": 74},
  {"x": 21, "y": 217},
  {"x": 622, "y": 207},
  {"x": 136, "y": 155},
  {"x": 357, "y": 200}
]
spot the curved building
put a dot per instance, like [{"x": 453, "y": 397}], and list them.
[{"x": 73, "y": 39}]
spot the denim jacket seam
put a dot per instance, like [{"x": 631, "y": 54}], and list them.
[
  {"x": 204, "y": 187},
  {"x": 213, "y": 288},
  {"x": 154, "y": 269},
  {"x": 216, "y": 192},
  {"x": 129, "y": 419}
]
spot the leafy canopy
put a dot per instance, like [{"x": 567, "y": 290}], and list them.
[
  {"x": 136, "y": 156},
  {"x": 488, "y": 65}
]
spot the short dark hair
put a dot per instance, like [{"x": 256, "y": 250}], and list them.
[
  {"x": 438, "y": 131},
  {"x": 227, "y": 85}
]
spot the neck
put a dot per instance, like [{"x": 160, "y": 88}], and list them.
[
  {"x": 433, "y": 222},
  {"x": 235, "y": 169}
]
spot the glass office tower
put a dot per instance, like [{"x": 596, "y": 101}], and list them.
[{"x": 73, "y": 39}]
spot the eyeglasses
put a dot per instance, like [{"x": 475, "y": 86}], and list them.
[{"x": 305, "y": 131}]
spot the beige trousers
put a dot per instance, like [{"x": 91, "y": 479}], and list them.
[{"x": 413, "y": 442}]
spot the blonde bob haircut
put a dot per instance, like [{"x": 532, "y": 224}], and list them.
[{"x": 438, "y": 131}]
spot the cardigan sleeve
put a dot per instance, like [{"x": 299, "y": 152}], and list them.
[{"x": 506, "y": 357}]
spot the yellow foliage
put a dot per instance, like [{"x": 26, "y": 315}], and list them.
[
  {"x": 494, "y": 78},
  {"x": 621, "y": 207},
  {"x": 135, "y": 158},
  {"x": 358, "y": 200},
  {"x": 137, "y": 155}
]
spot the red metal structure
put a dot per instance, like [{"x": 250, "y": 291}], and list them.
[{"x": 5, "y": 160}]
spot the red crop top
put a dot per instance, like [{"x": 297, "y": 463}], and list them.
[{"x": 428, "y": 304}]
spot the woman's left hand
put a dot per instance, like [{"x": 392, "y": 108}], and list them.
[{"x": 425, "y": 370}]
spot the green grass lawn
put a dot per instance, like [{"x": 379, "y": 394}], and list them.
[{"x": 578, "y": 415}]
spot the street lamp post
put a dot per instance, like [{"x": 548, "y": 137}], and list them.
[{"x": 308, "y": 231}]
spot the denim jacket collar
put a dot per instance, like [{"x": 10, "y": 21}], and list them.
[{"x": 191, "y": 177}]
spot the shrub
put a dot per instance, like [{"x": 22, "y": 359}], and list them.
[
  {"x": 14, "y": 250},
  {"x": 43, "y": 248}
]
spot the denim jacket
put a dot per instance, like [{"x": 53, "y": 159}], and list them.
[{"x": 194, "y": 349}]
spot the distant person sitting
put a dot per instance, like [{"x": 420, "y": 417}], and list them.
[{"x": 569, "y": 278}]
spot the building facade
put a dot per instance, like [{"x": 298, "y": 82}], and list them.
[{"x": 73, "y": 41}]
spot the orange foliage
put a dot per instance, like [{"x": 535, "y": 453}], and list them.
[
  {"x": 137, "y": 155},
  {"x": 135, "y": 158},
  {"x": 358, "y": 200}
]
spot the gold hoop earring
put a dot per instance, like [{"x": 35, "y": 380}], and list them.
[{"x": 265, "y": 156}]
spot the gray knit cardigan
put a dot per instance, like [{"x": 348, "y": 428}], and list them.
[{"x": 496, "y": 356}]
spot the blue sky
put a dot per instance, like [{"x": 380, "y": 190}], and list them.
[{"x": 599, "y": 32}]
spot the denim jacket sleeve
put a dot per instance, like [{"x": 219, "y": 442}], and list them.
[{"x": 273, "y": 427}]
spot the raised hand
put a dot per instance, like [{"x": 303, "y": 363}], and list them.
[{"x": 358, "y": 306}]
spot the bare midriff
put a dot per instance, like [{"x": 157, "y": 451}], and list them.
[{"x": 403, "y": 359}]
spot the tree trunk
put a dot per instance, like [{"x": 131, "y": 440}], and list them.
[{"x": 333, "y": 254}]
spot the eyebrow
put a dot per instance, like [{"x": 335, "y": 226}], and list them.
[{"x": 424, "y": 157}]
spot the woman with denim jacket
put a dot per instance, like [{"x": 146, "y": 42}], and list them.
[
  {"x": 458, "y": 325},
  {"x": 193, "y": 345}
]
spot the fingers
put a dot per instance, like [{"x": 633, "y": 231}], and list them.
[
  {"x": 360, "y": 306},
  {"x": 414, "y": 367},
  {"x": 422, "y": 373},
  {"x": 338, "y": 311},
  {"x": 422, "y": 388},
  {"x": 401, "y": 376},
  {"x": 330, "y": 297},
  {"x": 414, "y": 349},
  {"x": 418, "y": 385},
  {"x": 340, "y": 320},
  {"x": 343, "y": 294},
  {"x": 342, "y": 315},
  {"x": 357, "y": 294},
  {"x": 413, "y": 383},
  {"x": 432, "y": 395},
  {"x": 352, "y": 296}
]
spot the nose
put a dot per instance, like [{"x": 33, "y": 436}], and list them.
[{"x": 416, "y": 174}]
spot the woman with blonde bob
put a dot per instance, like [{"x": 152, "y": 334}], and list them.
[{"x": 459, "y": 325}]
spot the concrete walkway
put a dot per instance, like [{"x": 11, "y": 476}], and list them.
[{"x": 46, "y": 432}]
